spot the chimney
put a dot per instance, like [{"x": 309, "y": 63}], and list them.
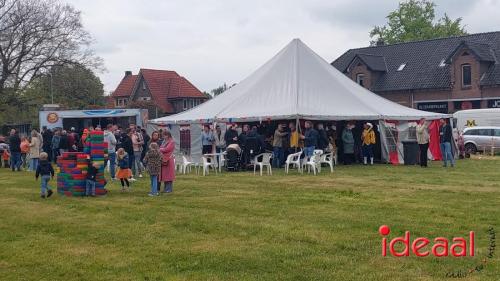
[
  {"x": 127, "y": 73},
  {"x": 380, "y": 42}
]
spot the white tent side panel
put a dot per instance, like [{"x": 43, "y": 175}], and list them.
[{"x": 196, "y": 147}]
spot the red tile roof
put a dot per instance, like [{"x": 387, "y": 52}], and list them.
[
  {"x": 163, "y": 85},
  {"x": 125, "y": 87},
  {"x": 110, "y": 102}
]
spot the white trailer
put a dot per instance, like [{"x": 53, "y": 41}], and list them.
[{"x": 476, "y": 117}]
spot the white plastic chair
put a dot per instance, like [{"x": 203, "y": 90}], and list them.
[
  {"x": 318, "y": 151},
  {"x": 206, "y": 165},
  {"x": 294, "y": 160},
  {"x": 266, "y": 162},
  {"x": 313, "y": 163},
  {"x": 222, "y": 161},
  {"x": 178, "y": 162},
  {"x": 327, "y": 159},
  {"x": 186, "y": 165}
]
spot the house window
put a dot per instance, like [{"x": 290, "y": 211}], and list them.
[
  {"x": 121, "y": 102},
  {"x": 466, "y": 75},
  {"x": 360, "y": 79},
  {"x": 143, "y": 85},
  {"x": 185, "y": 104},
  {"x": 146, "y": 98}
]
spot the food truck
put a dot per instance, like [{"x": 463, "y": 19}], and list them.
[{"x": 80, "y": 119}]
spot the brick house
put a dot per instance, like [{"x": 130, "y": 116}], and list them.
[
  {"x": 440, "y": 75},
  {"x": 162, "y": 92}
]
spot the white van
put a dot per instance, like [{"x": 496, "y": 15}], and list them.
[{"x": 476, "y": 117}]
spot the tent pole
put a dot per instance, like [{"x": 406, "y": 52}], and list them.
[{"x": 297, "y": 126}]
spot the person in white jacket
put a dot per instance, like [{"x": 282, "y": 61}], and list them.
[
  {"x": 423, "y": 141},
  {"x": 110, "y": 138}
]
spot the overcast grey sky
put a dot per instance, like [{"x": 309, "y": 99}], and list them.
[{"x": 215, "y": 41}]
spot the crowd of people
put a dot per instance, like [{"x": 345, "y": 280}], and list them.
[
  {"x": 353, "y": 145},
  {"x": 283, "y": 139},
  {"x": 131, "y": 151}
]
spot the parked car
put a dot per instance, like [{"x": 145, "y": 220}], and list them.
[{"x": 481, "y": 138}]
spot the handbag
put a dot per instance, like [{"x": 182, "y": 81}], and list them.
[{"x": 164, "y": 162}]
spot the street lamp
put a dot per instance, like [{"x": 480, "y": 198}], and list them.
[{"x": 51, "y": 92}]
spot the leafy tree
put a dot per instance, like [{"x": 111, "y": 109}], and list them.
[
  {"x": 72, "y": 86},
  {"x": 416, "y": 20},
  {"x": 221, "y": 89},
  {"x": 36, "y": 35}
]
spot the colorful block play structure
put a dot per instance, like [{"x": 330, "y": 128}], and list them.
[{"x": 73, "y": 166}]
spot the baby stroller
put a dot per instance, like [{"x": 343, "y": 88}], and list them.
[{"x": 233, "y": 155}]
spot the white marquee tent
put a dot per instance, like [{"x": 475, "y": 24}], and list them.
[{"x": 296, "y": 84}]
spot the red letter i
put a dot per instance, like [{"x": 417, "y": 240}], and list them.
[
  {"x": 384, "y": 230},
  {"x": 471, "y": 243}
]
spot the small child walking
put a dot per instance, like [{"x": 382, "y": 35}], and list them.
[
  {"x": 124, "y": 172},
  {"x": 152, "y": 160},
  {"x": 91, "y": 178},
  {"x": 46, "y": 172}
]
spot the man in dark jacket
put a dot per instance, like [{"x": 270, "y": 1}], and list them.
[
  {"x": 63, "y": 143},
  {"x": 310, "y": 138},
  {"x": 445, "y": 139},
  {"x": 126, "y": 143},
  {"x": 15, "y": 150},
  {"x": 47, "y": 141},
  {"x": 231, "y": 136},
  {"x": 323, "y": 138}
]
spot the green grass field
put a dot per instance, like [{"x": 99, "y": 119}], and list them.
[{"x": 237, "y": 226}]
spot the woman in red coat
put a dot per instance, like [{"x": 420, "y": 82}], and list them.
[{"x": 167, "y": 174}]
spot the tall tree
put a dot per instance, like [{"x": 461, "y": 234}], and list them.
[
  {"x": 71, "y": 86},
  {"x": 36, "y": 35},
  {"x": 221, "y": 89},
  {"x": 416, "y": 20}
]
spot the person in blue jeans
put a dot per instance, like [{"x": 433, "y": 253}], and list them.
[
  {"x": 90, "y": 180},
  {"x": 445, "y": 139},
  {"x": 310, "y": 138},
  {"x": 152, "y": 160},
  {"x": 109, "y": 137},
  {"x": 278, "y": 152},
  {"x": 45, "y": 170}
]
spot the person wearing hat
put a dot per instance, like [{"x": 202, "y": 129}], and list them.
[{"x": 368, "y": 140}]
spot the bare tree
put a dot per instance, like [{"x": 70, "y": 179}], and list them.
[{"x": 36, "y": 35}]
